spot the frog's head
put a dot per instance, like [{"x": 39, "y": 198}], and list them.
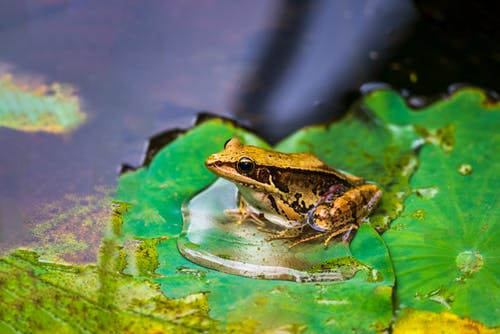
[
  {"x": 237, "y": 162},
  {"x": 255, "y": 167}
]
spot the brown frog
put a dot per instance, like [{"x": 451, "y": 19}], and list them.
[{"x": 296, "y": 191}]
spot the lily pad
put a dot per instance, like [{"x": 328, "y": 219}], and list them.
[
  {"x": 175, "y": 174},
  {"x": 445, "y": 241},
  {"x": 40, "y": 297},
  {"x": 446, "y": 244}
]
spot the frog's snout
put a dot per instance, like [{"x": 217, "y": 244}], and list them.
[{"x": 212, "y": 161}]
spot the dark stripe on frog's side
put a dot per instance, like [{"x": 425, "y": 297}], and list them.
[
  {"x": 317, "y": 182},
  {"x": 268, "y": 175},
  {"x": 300, "y": 205}
]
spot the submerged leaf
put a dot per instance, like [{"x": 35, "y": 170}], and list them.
[
  {"x": 28, "y": 107},
  {"x": 68, "y": 229}
]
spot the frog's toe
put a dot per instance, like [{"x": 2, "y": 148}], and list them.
[
  {"x": 309, "y": 238},
  {"x": 232, "y": 212},
  {"x": 347, "y": 233},
  {"x": 275, "y": 235},
  {"x": 266, "y": 230},
  {"x": 289, "y": 233}
]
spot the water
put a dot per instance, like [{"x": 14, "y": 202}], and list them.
[{"x": 143, "y": 67}]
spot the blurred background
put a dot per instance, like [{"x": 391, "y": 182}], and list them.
[{"x": 141, "y": 67}]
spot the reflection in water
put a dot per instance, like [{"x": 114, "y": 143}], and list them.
[
  {"x": 316, "y": 60},
  {"x": 276, "y": 57}
]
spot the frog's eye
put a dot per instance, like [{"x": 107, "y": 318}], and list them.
[{"x": 245, "y": 165}]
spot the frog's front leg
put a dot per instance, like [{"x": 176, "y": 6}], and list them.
[{"x": 245, "y": 213}]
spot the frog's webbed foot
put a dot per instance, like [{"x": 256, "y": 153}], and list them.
[{"x": 242, "y": 214}]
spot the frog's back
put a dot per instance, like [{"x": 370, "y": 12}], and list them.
[{"x": 308, "y": 162}]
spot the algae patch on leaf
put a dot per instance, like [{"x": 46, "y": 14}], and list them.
[
  {"x": 38, "y": 297},
  {"x": 418, "y": 321},
  {"x": 68, "y": 229}
]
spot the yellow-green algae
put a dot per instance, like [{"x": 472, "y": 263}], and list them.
[
  {"x": 413, "y": 321},
  {"x": 53, "y": 108},
  {"x": 70, "y": 229},
  {"x": 38, "y": 297}
]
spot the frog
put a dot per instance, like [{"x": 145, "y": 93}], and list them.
[{"x": 299, "y": 194}]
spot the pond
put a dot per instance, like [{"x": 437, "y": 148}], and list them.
[{"x": 85, "y": 84}]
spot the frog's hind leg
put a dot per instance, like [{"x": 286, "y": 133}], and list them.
[
  {"x": 347, "y": 230},
  {"x": 288, "y": 233},
  {"x": 312, "y": 237}
]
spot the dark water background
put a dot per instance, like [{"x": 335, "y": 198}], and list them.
[{"x": 141, "y": 67}]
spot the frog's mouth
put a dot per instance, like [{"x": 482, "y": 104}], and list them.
[{"x": 216, "y": 166}]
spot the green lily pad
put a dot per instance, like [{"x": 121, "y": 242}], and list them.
[
  {"x": 445, "y": 241},
  {"x": 262, "y": 302},
  {"x": 41, "y": 297},
  {"x": 446, "y": 244}
]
